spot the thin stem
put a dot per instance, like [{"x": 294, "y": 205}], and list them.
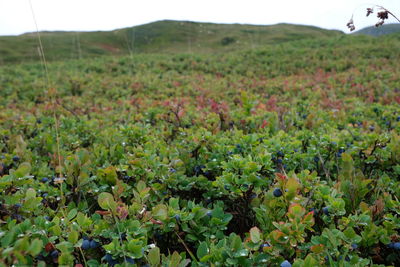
[
  {"x": 53, "y": 95},
  {"x": 83, "y": 256},
  {"x": 186, "y": 247}
]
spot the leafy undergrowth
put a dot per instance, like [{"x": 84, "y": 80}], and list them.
[{"x": 282, "y": 156}]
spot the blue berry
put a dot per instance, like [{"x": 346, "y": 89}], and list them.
[
  {"x": 15, "y": 158},
  {"x": 18, "y": 205},
  {"x": 325, "y": 210},
  {"x": 341, "y": 150},
  {"x": 108, "y": 258},
  {"x": 253, "y": 196},
  {"x": 54, "y": 254},
  {"x": 209, "y": 213},
  {"x": 316, "y": 159},
  {"x": 85, "y": 244},
  {"x": 123, "y": 236},
  {"x": 130, "y": 260},
  {"x": 347, "y": 258},
  {"x": 277, "y": 192},
  {"x": 198, "y": 169},
  {"x": 286, "y": 264},
  {"x": 398, "y": 118},
  {"x": 354, "y": 246},
  {"x": 94, "y": 244},
  {"x": 280, "y": 154},
  {"x": 177, "y": 217},
  {"x": 279, "y": 161},
  {"x": 396, "y": 246},
  {"x": 265, "y": 245},
  {"x": 44, "y": 180}
]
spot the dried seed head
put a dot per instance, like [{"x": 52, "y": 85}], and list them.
[
  {"x": 383, "y": 15},
  {"x": 370, "y": 11},
  {"x": 350, "y": 25},
  {"x": 379, "y": 23}
]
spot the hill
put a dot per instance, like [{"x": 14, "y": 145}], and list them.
[
  {"x": 382, "y": 30},
  {"x": 157, "y": 37}
]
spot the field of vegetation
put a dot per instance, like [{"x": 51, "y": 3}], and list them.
[{"x": 283, "y": 155}]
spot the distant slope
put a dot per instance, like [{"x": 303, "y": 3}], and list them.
[
  {"x": 382, "y": 30},
  {"x": 157, "y": 37}
]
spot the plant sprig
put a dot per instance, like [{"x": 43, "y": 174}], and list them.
[{"x": 382, "y": 14}]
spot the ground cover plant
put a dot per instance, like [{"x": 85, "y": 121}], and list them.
[{"x": 284, "y": 155}]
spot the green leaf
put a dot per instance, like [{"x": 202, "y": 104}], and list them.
[
  {"x": 56, "y": 230},
  {"x": 30, "y": 193},
  {"x": 174, "y": 203},
  {"x": 255, "y": 235},
  {"x": 310, "y": 261},
  {"x": 36, "y": 247},
  {"x": 140, "y": 186},
  {"x": 73, "y": 237},
  {"x": 175, "y": 259},
  {"x": 236, "y": 243},
  {"x": 202, "y": 250},
  {"x": 72, "y": 214},
  {"x": 23, "y": 170},
  {"x": 160, "y": 212},
  {"x": 136, "y": 248},
  {"x": 108, "y": 175},
  {"x": 154, "y": 256},
  {"x": 106, "y": 201}
]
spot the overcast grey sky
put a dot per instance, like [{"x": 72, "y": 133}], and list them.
[{"x": 90, "y": 15}]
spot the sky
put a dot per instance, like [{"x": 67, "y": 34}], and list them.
[{"x": 92, "y": 15}]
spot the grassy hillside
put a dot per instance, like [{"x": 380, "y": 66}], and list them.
[
  {"x": 157, "y": 37},
  {"x": 378, "y": 31}
]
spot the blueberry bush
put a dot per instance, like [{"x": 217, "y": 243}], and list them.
[{"x": 286, "y": 155}]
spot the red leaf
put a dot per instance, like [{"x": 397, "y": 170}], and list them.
[
  {"x": 103, "y": 212},
  {"x": 265, "y": 123},
  {"x": 49, "y": 247},
  {"x": 156, "y": 222}
]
